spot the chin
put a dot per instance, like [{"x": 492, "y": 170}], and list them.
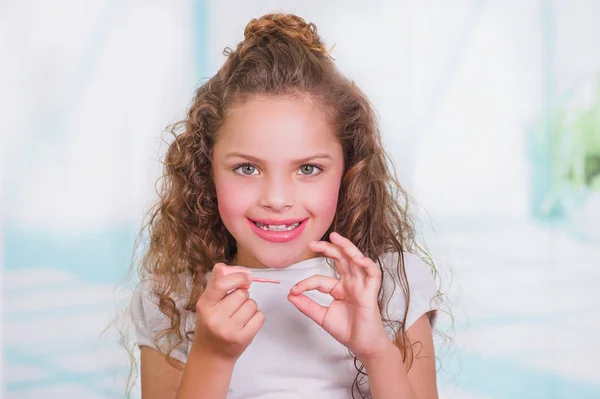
[{"x": 280, "y": 260}]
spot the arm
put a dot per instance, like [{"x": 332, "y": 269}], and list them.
[
  {"x": 387, "y": 373},
  {"x": 226, "y": 323},
  {"x": 205, "y": 376},
  {"x": 354, "y": 320},
  {"x": 159, "y": 378},
  {"x": 201, "y": 377}
]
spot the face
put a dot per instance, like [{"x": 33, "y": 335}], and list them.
[{"x": 277, "y": 167}]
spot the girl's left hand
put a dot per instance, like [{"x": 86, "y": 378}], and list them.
[{"x": 353, "y": 318}]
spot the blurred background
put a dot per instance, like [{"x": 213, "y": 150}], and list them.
[{"x": 490, "y": 110}]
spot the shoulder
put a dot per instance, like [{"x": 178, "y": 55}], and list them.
[
  {"x": 146, "y": 295},
  {"x": 149, "y": 320},
  {"x": 149, "y": 287},
  {"x": 417, "y": 292},
  {"x": 418, "y": 273},
  {"x": 145, "y": 309}
]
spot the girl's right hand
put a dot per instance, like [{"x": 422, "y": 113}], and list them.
[{"x": 226, "y": 322}]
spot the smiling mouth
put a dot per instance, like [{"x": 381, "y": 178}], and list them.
[{"x": 277, "y": 227}]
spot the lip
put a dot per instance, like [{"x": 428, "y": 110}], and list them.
[
  {"x": 277, "y": 222},
  {"x": 278, "y": 236}
]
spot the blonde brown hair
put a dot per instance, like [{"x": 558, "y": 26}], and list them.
[{"x": 281, "y": 55}]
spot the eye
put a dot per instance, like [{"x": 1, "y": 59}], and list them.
[
  {"x": 246, "y": 170},
  {"x": 309, "y": 170}
]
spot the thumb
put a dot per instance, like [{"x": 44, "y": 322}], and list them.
[
  {"x": 310, "y": 308},
  {"x": 227, "y": 270}
]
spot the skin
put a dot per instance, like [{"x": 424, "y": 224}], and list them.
[
  {"x": 275, "y": 138},
  {"x": 294, "y": 169}
]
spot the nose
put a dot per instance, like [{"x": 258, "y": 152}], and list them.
[{"x": 278, "y": 193}]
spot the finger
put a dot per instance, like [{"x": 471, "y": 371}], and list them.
[
  {"x": 309, "y": 307},
  {"x": 371, "y": 268},
  {"x": 244, "y": 313},
  {"x": 219, "y": 270},
  {"x": 219, "y": 286},
  {"x": 324, "y": 284},
  {"x": 351, "y": 251},
  {"x": 332, "y": 251},
  {"x": 227, "y": 270},
  {"x": 347, "y": 246},
  {"x": 253, "y": 325},
  {"x": 232, "y": 302}
]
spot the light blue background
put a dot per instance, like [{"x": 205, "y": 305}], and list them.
[{"x": 457, "y": 86}]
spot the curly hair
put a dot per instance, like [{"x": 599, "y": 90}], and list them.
[{"x": 281, "y": 55}]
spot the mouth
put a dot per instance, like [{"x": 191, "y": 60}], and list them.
[
  {"x": 277, "y": 227},
  {"x": 278, "y": 230}
]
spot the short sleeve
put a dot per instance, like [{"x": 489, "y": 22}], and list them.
[
  {"x": 148, "y": 320},
  {"x": 422, "y": 287}
]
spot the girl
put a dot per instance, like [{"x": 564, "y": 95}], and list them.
[{"x": 280, "y": 173}]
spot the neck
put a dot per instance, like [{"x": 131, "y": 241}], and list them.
[{"x": 246, "y": 259}]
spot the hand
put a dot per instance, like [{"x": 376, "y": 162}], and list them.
[
  {"x": 226, "y": 319},
  {"x": 353, "y": 318}
]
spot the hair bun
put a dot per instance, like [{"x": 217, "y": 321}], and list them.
[{"x": 277, "y": 25}]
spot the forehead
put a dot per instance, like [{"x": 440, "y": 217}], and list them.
[{"x": 277, "y": 128}]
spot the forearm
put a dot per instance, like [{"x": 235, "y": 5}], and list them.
[
  {"x": 205, "y": 377},
  {"x": 387, "y": 376}
]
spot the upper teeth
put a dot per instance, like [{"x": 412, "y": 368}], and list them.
[{"x": 277, "y": 227}]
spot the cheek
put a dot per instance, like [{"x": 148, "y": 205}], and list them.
[
  {"x": 323, "y": 200},
  {"x": 231, "y": 198}
]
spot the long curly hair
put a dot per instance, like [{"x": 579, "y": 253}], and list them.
[{"x": 281, "y": 54}]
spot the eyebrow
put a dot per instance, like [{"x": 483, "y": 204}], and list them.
[{"x": 258, "y": 160}]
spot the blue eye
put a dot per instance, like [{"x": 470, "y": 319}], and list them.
[
  {"x": 309, "y": 170},
  {"x": 246, "y": 170}
]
